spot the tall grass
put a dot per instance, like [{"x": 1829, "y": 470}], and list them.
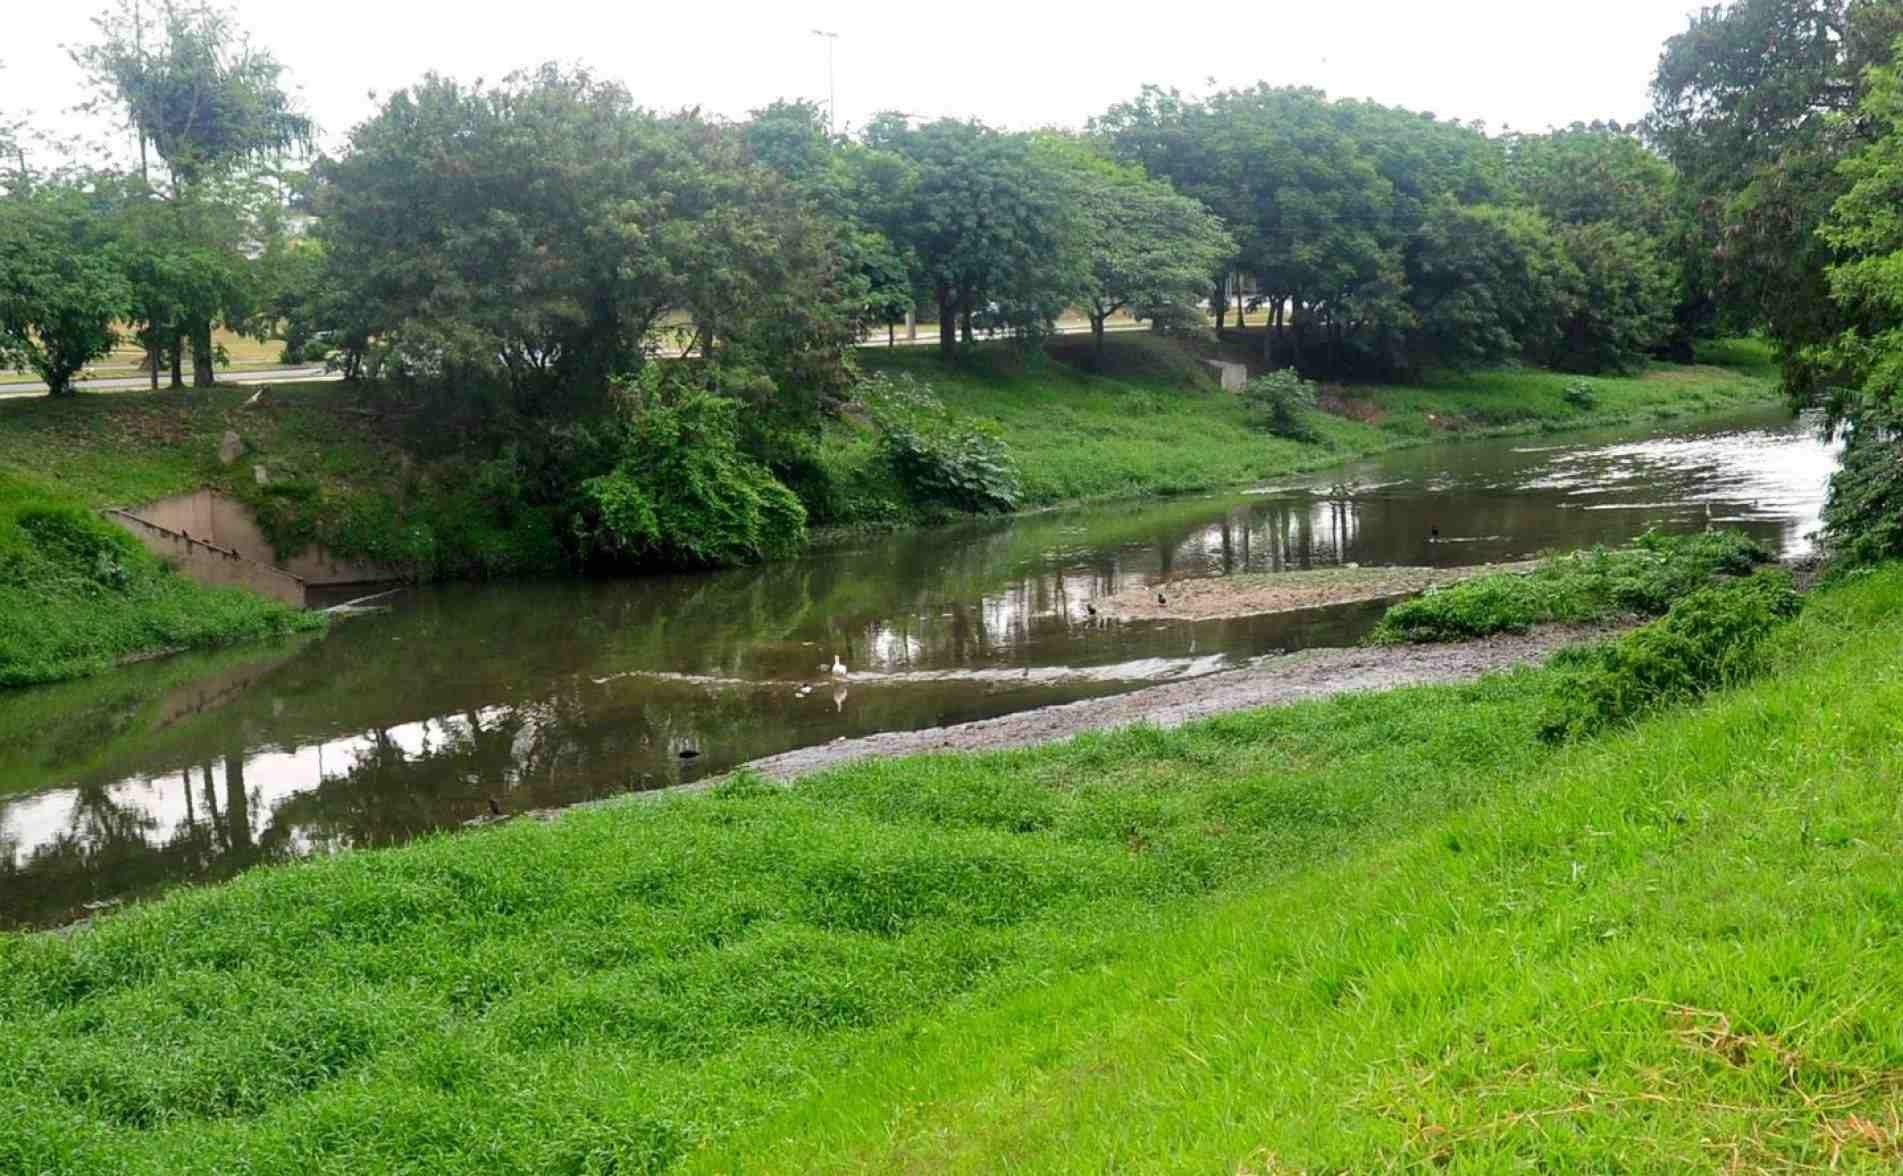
[{"x": 1340, "y": 934}]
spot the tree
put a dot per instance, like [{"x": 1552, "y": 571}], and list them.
[
  {"x": 1485, "y": 284},
  {"x": 1622, "y": 309},
  {"x": 1860, "y": 370},
  {"x": 1322, "y": 196},
  {"x": 61, "y": 289},
  {"x": 530, "y": 236},
  {"x": 983, "y": 222},
  {"x": 211, "y": 105},
  {"x": 1751, "y": 104},
  {"x": 1146, "y": 248}
]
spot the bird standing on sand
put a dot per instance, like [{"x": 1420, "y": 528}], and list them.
[{"x": 839, "y": 667}]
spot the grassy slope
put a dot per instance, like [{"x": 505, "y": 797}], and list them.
[
  {"x": 78, "y": 595},
  {"x": 1377, "y": 929},
  {"x": 1158, "y": 425}
]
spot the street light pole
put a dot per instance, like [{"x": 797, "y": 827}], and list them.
[{"x": 832, "y": 97}]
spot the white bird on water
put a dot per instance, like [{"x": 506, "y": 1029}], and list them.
[{"x": 839, "y": 667}]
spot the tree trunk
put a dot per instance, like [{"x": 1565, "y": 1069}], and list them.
[
  {"x": 202, "y": 374},
  {"x": 891, "y": 335},
  {"x": 947, "y": 325},
  {"x": 154, "y": 356},
  {"x": 911, "y": 324},
  {"x": 1096, "y": 341},
  {"x": 1242, "y": 319},
  {"x": 964, "y": 326},
  {"x": 178, "y": 359},
  {"x": 1220, "y": 303}
]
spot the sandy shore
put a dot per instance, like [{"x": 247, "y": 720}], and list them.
[
  {"x": 1254, "y": 594},
  {"x": 1314, "y": 673}
]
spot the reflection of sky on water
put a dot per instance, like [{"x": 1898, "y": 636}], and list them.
[{"x": 548, "y": 694}]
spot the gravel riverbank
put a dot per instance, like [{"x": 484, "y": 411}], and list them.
[{"x": 1314, "y": 673}]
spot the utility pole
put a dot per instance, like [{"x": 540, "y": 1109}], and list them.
[{"x": 832, "y": 96}]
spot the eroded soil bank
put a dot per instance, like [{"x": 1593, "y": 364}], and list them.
[{"x": 1314, "y": 673}]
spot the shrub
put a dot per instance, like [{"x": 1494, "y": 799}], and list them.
[
  {"x": 682, "y": 494},
  {"x": 1279, "y": 399},
  {"x": 1591, "y": 585},
  {"x": 940, "y": 460},
  {"x": 1711, "y": 638},
  {"x": 1580, "y": 395},
  {"x": 1863, "y": 520}
]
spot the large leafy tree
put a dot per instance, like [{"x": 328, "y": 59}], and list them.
[
  {"x": 61, "y": 288},
  {"x": 1147, "y": 249},
  {"x": 983, "y": 222},
  {"x": 531, "y": 236},
  {"x": 1752, "y": 105},
  {"x": 1484, "y": 284},
  {"x": 1323, "y": 197},
  {"x": 213, "y": 108},
  {"x": 1861, "y": 368}
]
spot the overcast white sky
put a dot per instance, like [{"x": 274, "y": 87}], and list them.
[{"x": 1528, "y": 64}]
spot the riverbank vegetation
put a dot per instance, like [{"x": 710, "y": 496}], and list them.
[
  {"x": 1207, "y": 945},
  {"x": 371, "y": 478},
  {"x": 1602, "y": 584},
  {"x": 78, "y": 595}
]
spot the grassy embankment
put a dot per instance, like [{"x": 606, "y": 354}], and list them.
[
  {"x": 1385, "y": 929},
  {"x": 79, "y": 595}
]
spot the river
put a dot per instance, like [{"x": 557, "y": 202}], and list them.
[{"x": 534, "y": 695}]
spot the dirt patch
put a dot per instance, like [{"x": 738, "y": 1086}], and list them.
[
  {"x": 1337, "y": 402},
  {"x": 1253, "y": 595},
  {"x": 1314, "y": 673}
]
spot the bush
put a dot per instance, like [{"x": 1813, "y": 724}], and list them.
[
  {"x": 1863, "y": 520},
  {"x": 1279, "y": 399},
  {"x": 939, "y": 460},
  {"x": 682, "y": 494},
  {"x": 1580, "y": 395},
  {"x": 1592, "y": 585},
  {"x": 1711, "y": 638}
]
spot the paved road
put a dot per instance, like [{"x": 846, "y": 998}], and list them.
[
  {"x": 316, "y": 372},
  {"x": 141, "y": 383}
]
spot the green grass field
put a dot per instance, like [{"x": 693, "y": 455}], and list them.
[{"x": 1384, "y": 930}]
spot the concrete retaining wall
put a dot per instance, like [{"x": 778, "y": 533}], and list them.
[
  {"x": 225, "y": 522},
  {"x": 208, "y": 563}
]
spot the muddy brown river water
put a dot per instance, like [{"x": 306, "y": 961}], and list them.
[{"x": 410, "y": 720}]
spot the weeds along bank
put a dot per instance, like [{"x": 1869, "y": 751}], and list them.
[{"x": 1296, "y": 937}]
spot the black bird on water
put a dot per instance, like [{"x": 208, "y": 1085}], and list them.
[
  {"x": 689, "y": 753},
  {"x": 1162, "y": 599},
  {"x": 495, "y": 807},
  {"x": 1433, "y": 532},
  {"x": 1090, "y": 608}
]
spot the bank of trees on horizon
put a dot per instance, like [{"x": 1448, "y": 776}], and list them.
[{"x": 523, "y": 248}]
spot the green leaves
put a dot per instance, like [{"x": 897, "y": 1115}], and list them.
[
  {"x": 682, "y": 493},
  {"x": 61, "y": 288}
]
